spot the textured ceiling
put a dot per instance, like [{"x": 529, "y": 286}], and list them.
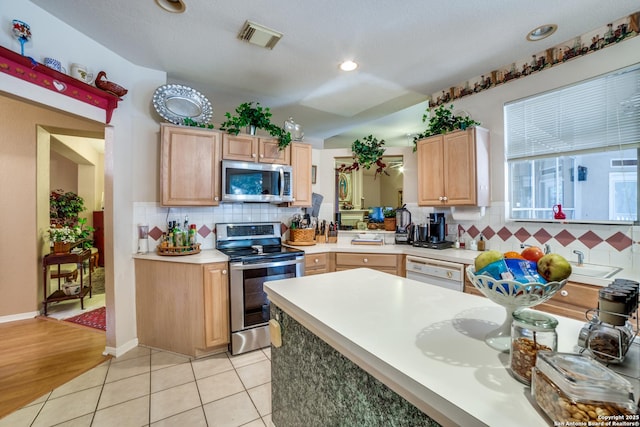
[{"x": 406, "y": 50}]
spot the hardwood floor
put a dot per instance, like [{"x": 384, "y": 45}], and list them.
[{"x": 38, "y": 355}]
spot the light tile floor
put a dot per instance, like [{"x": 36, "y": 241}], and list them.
[{"x": 147, "y": 387}]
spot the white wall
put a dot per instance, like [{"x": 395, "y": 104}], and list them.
[{"x": 130, "y": 144}]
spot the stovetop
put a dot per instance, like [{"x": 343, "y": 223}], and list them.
[{"x": 249, "y": 254}]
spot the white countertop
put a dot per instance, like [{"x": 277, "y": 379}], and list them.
[
  {"x": 424, "y": 342},
  {"x": 205, "y": 256}
]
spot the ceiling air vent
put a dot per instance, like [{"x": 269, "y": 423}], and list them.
[{"x": 259, "y": 35}]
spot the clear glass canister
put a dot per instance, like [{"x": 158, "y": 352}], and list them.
[{"x": 531, "y": 332}]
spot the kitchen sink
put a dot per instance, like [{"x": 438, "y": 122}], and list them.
[{"x": 593, "y": 270}]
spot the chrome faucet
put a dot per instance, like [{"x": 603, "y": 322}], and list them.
[{"x": 580, "y": 256}]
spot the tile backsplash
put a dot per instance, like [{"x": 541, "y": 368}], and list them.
[
  {"x": 617, "y": 245},
  {"x": 156, "y": 217}
]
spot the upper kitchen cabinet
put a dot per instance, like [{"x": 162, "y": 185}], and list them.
[
  {"x": 251, "y": 148},
  {"x": 190, "y": 166},
  {"x": 301, "y": 164},
  {"x": 453, "y": 169}
]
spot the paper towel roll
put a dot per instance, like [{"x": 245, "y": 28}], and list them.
[{"x": 467, "y": 213}]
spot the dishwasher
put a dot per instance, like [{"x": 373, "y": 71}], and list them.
[{"x": 445, "y": 274}]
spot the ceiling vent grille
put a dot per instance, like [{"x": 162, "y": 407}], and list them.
[{"x": 259, "y": 35}]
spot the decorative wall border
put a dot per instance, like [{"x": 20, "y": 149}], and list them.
[{"x": 625, "y": 28}]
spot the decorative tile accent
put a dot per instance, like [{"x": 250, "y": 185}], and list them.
[
  {"x": 565, "y": 238},
  {"x": 488, "y": 233},
  {"x": 155, "y": 233},
  {"x": 590, "y": 239},
  {"x": 619, "y": 241},
  {"x": 204, "y": 231},
  {"x": 473, "y": 231},
  {"x": 505, "y": 234},
  {"x": 542, "y": 236},
  {"x": 522, "y": 234}
]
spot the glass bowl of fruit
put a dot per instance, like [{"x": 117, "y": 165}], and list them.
[{"x": 516, "y": 283}]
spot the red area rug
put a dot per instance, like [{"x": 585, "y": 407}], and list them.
[{"x": 94, "y": 319}]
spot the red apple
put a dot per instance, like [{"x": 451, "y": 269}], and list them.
[{"x": 532, "y": 253}]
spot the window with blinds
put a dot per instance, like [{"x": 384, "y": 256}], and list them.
[{"x": 577, "y": 147}]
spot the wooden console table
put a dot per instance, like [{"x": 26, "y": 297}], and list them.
[{"x": 70, "y": 258}]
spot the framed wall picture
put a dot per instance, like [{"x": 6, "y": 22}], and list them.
[{"x": 314, "y": 169}]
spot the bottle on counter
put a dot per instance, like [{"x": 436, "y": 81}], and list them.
[
  {"x": 481, "y": 243},
  {"x": 192, "y": 235}
]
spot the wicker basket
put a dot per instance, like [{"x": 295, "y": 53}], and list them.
[
  {"x": 302, "y": 234},
  {"x": 179, "y": 250}
]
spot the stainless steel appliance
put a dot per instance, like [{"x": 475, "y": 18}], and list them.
[
  {"x": 445, "y": 274},
  {"x": 432, "y": 235},
  {"x": 256, "y": 255},
  {"x": 256, "y": 182},
  {"x": 403, "y": 225}
]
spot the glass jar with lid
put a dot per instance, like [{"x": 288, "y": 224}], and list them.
[
  {"x": 531, "y": 332},
  {"x": 573, "y": 389}
]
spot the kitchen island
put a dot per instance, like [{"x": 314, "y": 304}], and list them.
[{"x": 362, "y": 347}]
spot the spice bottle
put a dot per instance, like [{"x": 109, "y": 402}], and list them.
[
  {"x": 531, "y": 332},
  {"x": 481, "y": 243}
]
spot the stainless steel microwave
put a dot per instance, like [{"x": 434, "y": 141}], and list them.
[{"x": 256, "y": 182}]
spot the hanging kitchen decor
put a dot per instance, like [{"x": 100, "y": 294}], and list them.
[
  {"x": 253, "y": 117},
  {"x": 367, "y": 153},
  {"x": 444, "y": 120},
  {"x": 175, "y": 103}
]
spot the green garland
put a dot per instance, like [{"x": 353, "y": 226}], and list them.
[
  {"x": 367, "y": 153},
  {"x": 249, "y": 114},
  {"x": 442, "y": 122}
]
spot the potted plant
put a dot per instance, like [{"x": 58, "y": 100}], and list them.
[
  {"x": 367, "y": 153},
  {"x": 389, "y": 219},
  {"x": 61, "y": 238},
  {"x": 443, "y": 121},
  {"x": 255, "y": 117},
  {"x": 64, "y": 207}
]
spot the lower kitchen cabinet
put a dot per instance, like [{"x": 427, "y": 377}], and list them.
[
  {"x": 389, "y": 263},
  {"x": 183, "y": 308},
  {"x": 318, "y": 263}
]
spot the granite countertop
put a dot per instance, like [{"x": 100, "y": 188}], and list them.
[{"x": 424, "y": 342}]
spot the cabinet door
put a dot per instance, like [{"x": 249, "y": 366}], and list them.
[
  {"x": 240, "y": 147},
  {"x": 459, "y": 168},
  {"x": 216, "y": 305},
  {"x": 301, "y": 163},
  {"x": 190, "y": 162},
  {"x": 268, "y": 152},
  {"x": 430, "y": 171}
]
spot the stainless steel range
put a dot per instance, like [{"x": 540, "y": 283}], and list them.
[{"x": 256, "y": 255}]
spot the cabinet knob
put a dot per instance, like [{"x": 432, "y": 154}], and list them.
[
  {"x": 440, "y": 198},
  {"x": 216, "y": 198},
  {"x": 365, "y": 260},
  {"x": 224, "y": 271},
  {"x": 253, "y": 155},
  {"x": 316, "y": 260},
  {"x": 564, "y": 293},
  {"x": 262, "y": 156},
  {"x": 445, "y": 198}
]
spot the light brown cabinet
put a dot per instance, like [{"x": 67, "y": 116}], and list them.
[
  {"x": 183, "y": 308},
  {"x": 453, "y": 169},
  {"x": 389, "y": 263},
  {"x": 250, "y": 148},
  {"x": 318, "y": 263},
  {"x": 190, "y": 166},
  {"x": 301, "y": 164}
]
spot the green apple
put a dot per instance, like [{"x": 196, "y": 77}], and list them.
[
  {"x": 554, "y": 267},
  {"x": 486, "y": 258}
]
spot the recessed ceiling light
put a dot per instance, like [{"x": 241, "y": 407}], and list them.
[
  {"x": 348, "y": 66},
  {"x": 542, "y": 32},
  {"x": 173, "y": 6}
]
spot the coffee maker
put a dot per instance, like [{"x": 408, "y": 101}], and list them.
[
  {"x": 403, "y": 225},
  {"x": 432, "y": 235}
]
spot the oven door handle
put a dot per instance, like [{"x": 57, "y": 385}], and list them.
[{"x": 241, "y": 266}]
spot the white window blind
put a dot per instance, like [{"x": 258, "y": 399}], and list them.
[{"x": 601, "y": 113}]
